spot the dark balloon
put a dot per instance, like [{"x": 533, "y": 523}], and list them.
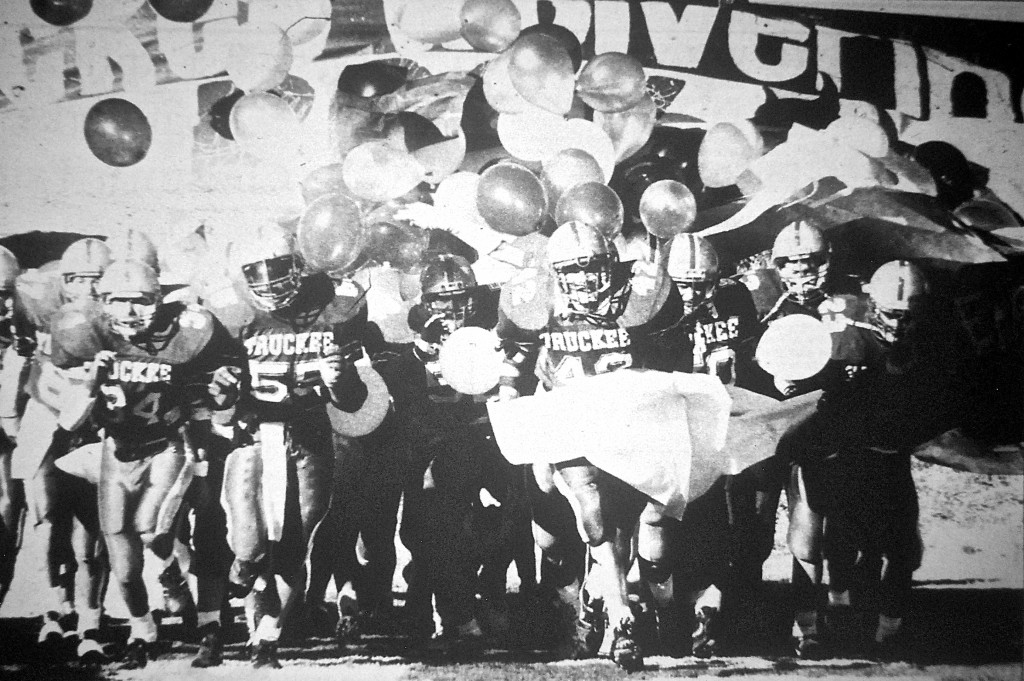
[
  {"x": 951, "y": 170},
  {"x": 185, "y": 11},
  {"x": 60, "y": 12},
  {"x": 562, "y": 35},
  {"x": 371, "y": 79},
  {"x": 479, "y": 120},
  {"x": 117, "y": 132},
  {"x": 220, "y": 114},
  {"x": 413, "y": 130}
]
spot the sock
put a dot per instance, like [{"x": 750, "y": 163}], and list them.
[
  {"x": 805, "y": 624},
  {"x": 89, "y": 619},
  {"x": 269, "y": 629},
  {"x": 662, "y": 592},
  {"x": 207, "y": 617},
  {"x": 887, "y": 628},
  {"x": 143, "y": 627},
  {"x": 62, "y": 605},
  {"x": 710, "y": 597},
  {"x": 839, "y": 598}
]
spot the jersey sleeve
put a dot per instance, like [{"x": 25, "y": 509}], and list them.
[{"x": 221, "y": 349}]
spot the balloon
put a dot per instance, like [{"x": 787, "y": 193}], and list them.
[
  {"x": 589, "y": 137},
  {"x": 541, "y": 72},
  {"x": 411, "y": 131},
  {"x": 612, "y": 82},
  {"x": 531, "y": 135},
  {"x": 430, "y": 21},
  {"x": 490, "y": 25},
  {"x": 667, "y": 208},
  {"x": 264, "y": 125},
  {"x": 371, "y": 79},
  {"x": 61, "y": 12},
  {"x": 470, "y": 361},
  {"x": 511, "y": 199},
  {"x": 986, "y": 215},
  {"x": 117, "y": 132},
  {"x": 302, "y": 20},
  {"x": 794, "y": 348},
  {"x": 650, "y": 287},
  {"x": 862, "y": 134},
  {"x": 377, "y": 171},
  {"x": 457, "y": 194},
  {"x": 563, "y": 35},
  {"x": 534, "y": 248},
  {"x": 442, "y": 159},
  {"x": 629, "y": 130},
  {"x": 594, "y": 204},
  {"x": 527, "y": 298},
  {"x": 185, "y": 11},
  {"x": 479, "y": 119},
  {"x": 400, "y": 245},
  {"x": 499, "y": 91},
  {"x": 322, "y": 181},
  {"x": 220, "y": 114},
  {"x": 566, "y": 169},
  {"x": 371, "y": 414},
  {"x": 330, "y": 236},
  {"x": 724, "y": 153},
  {"x": 259, "y": 56}
]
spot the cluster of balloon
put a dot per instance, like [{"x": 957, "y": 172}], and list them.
[
  {"x": 398, "y": 244},
  {"x": 592, "y": 203},
  {"x": 668, "y": 208},
  {"x": 184, "y": 11},
  {"x": 259, "y": 56},
  {"x": 527, "y": 298},
  {"x": 379, "y": 171},
  {"x": 567, "y": 169},
  {"x": 61, "y": 12},
  {"x": 510, "y": 198},
  {"x": 726, "y": 151},
  {"x": 117, "y": 132},
  {"x": 490, "y": 25},
  {"x": 330, "y": 234},
  {"x": 264, "y": 125}
]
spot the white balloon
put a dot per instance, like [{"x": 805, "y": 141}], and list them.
[
  {"x": 794, "y": 348},
  {"x": 259, "y": 56},
  {"x": 578, "y": 133},
  {"x": 533, "y": 135},
  {"x": 470, "y": 361},
  {"x": 457, "y": 194}
]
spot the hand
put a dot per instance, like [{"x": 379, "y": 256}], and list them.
[
  {"x": 98, "y": 369},
  {"x": 787, "y": 388},
  {"x": 722, "y": 363},
  {"x": 331, "y": 366},
  {"x": 225, "y": 383}
]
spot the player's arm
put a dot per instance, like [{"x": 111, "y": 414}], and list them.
[
  {"x": 345, "y": 389},
  {"x": 228, "y": 368},
  {"x": 520, "y": 347}
]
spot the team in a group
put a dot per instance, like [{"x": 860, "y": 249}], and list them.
[{"x": 211, "y": 422}]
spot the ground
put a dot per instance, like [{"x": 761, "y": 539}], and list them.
[{"x": 967, "y": 620}]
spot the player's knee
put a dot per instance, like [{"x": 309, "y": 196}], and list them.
[
  {"x": 595, "y": 529},
  {"x": 804, "y": 544},
  {"x": 654, "y": 571}
]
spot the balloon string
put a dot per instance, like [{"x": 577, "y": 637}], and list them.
[{"x": 292, "y": 25}]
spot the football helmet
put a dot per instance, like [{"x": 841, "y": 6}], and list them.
[
  {"x": 584, "y": 262},
  {"x": 271, "y": 267},
  {"x": 693, "y": 268},
  {"x": 130, "y": 291},
  {"x": 896, "y": 289},
  {"x": 801, "y": 256},
  {"x": 9, "y": 271},
  {"x": 133, "y": 244},
  {"x": 81, "y": 267},
  {"x": 447, "y": 283}
]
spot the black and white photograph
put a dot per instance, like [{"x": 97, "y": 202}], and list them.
[{"x": 431, "y": 340}]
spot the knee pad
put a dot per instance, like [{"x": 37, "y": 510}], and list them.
[{"x": 656, "y": 572}]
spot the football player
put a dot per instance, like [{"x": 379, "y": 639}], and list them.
[
  {"x": 302, "y": 339},
  {"x": 55, "y": 498},
  {"x": 898, "y": 393},
  {"x": 593, "y": 289},
  {"x": 158, "y": 365},
  {"x": 12, "y": 492}
]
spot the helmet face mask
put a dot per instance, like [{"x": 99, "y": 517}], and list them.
[
  {"x": 130, "y": 314},
  {"x": 455, "y": 309},
  {"x": 274, "y": 282},
  {"x": 81, "y": 286},
  {"x": 81, "y": 266},
  {"x": 803, "y": 275},
  {"x": 585, "y": 283},
  {"x": 694, "y": 269},
  {"x": 695, "y": 294},
  {"x": 897, "y": 290}
]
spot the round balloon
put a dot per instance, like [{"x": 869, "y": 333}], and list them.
[
  {"x": 323, "y": 181},
  {"x": 259, "y": 56},
  {"x": 650, "y": 287},
  {"x": 61, "y": 12},
  {"x": 531, "y": 135},
  {"x": 589, "y": 137},
  {"x": 541, "y": 72},
  {"x": 442, "y": 159},
  {"x": 594, "y": 204},
  {"x": 430, "y": 21},
  {"x": 667, "y": 208},
  {"x": 457, "y": 194},
  {"x": 795, "y": 347},
  {"x": 566, "y": 169},
  {"x": 470, "y": 360},
  {"x": 330, "y": 235},
  {"x": 264, "y": 125},
  {"x": 511, "y": 199},
  {"x": 371, "y": 79},
  {"x": 411, "y": 131},
  {"x": 629, "y": 130},
  {"x": 563, "y": 35},
  {"x": 371, "y": 414},
  {"x": 220, "y": 113},
  {"x": 378, "y": 171},
  {"x": 117, "y": 132},
  {"x": 862, "y": 134},
  {"x": 724, "y": 153},
  {"x": 612, "y": 82},
  {"x": 499, "y": 91},
  {"x": 490, "y": 25},
  {"x": 527, "y": 299},
  {"x": 185, "y": 11}
]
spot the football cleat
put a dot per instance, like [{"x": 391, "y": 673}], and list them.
[
  {"x": 211, "y": 648},
  {"x": 241, "y": 577},
  {"x": 705, "y": 634},
  {"x": 808, "y": 647},
  {"x": 625, "y": 650},
  {"x": 89, "y": 649},
  {"x": 51, "y": 632},
  {"x": 264, "y": 655},
  {"x": 136, "y": 656},
  {"x": 177, "y": 595}
]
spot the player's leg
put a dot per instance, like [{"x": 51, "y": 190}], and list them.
[
  {"x": 12, "y": 517},
  {"x": 657, "y": 555},
  {"x": 94, "y": 572},
  {"x": 804, "y": 539},
  {"x": 247, "y": 530}
]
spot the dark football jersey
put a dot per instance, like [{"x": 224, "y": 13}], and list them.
[
  {"x": 728, "y": 322},
  {"x": 285, "y": 347},
  {"x": 158, "y": 380}
]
